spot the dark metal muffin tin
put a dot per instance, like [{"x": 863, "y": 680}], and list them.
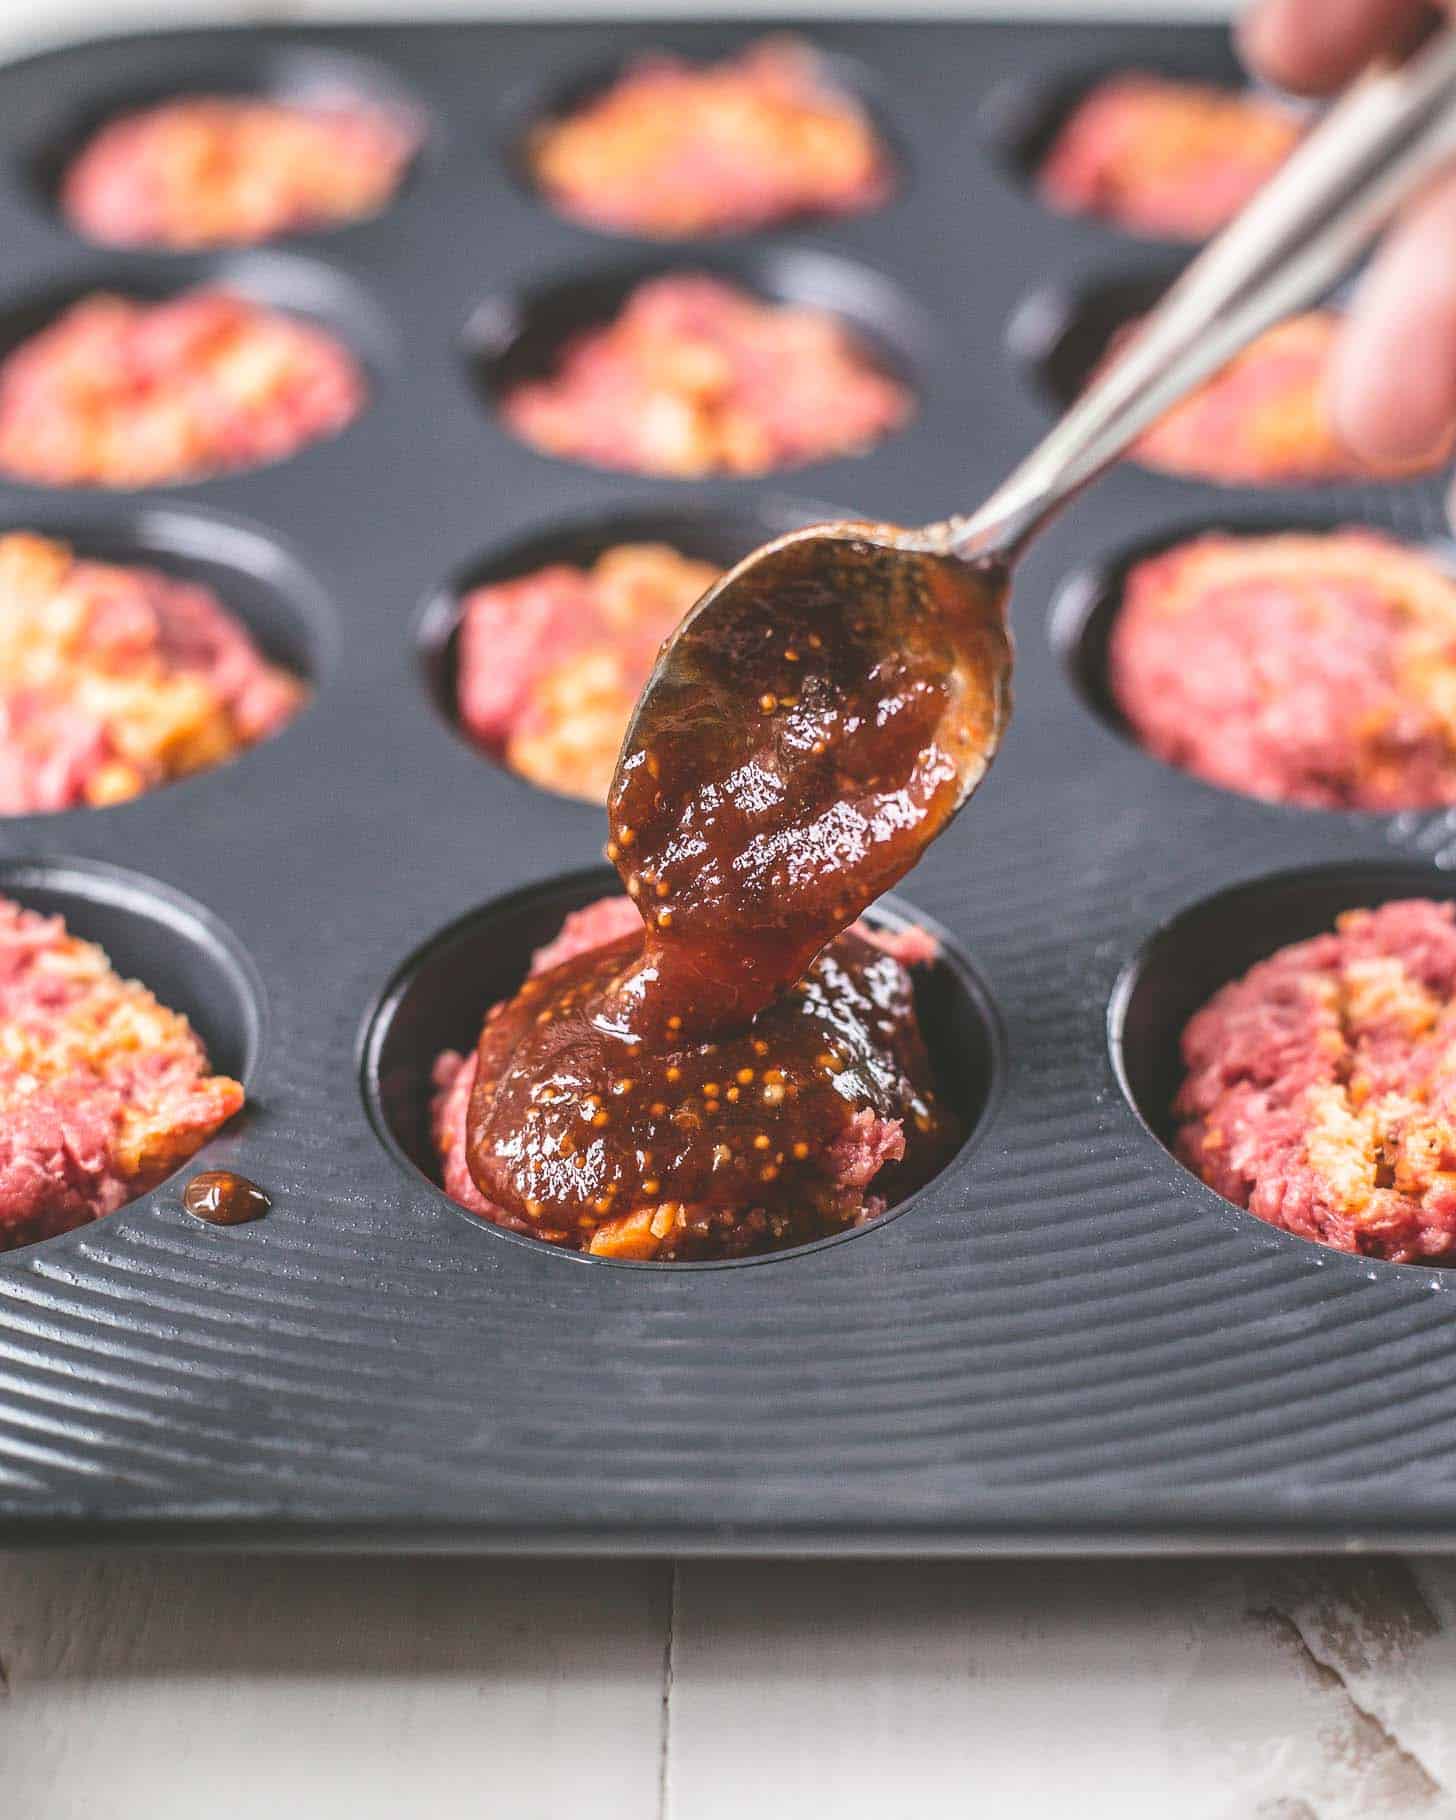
[{"x": 1065, "y": 1342}]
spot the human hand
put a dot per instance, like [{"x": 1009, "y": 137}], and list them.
[{"x": 1394, "y": 379}]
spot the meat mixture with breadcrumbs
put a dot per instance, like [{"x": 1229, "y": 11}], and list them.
[
  {"x": 873, "y": 1163},
  {"x": 122, "y": 393},
  {"x": 550, "y": 664},
  {"x": 695, "y": 376},
  {"x": 103, "y": 1091},
  {"x": 211, "y": 170},
  {"x": 1164, "y": 157},
  {"x": 676, "y": 148},
  {"x": 1320, "y": 1089},
  {"x": 1310, "y": 668},
  {"x": 114, "y": 680},
  {"x": 1264, "y": 419}
]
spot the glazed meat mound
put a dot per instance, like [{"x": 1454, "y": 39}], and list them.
[
  {"x": 116, "y": 680},
  {"x": 800, "y": 1189},
  {"x": 206, "y": 170},
  {"x": 117, "y": 393},
  {"x": 1312, "y": 669},
  {"x": 551, "y": 664},
  {"x": 1262, "y": 420},
  {"x": 676, "y": 149},
  {"x": 103, "y": 1092},
  {"x": 695, "y": 377},
  {"x": 1321, "y": 1087},
  {"x": 1163, "y": 157}
]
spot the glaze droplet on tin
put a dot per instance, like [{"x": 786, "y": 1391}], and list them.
[{"x": 224, "y": 1199}]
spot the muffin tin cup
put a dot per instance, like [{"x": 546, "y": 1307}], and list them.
[
  {"x": 538, "y": 102},
  {"x": 514, "y": 338},
  {"x": 721, "y": 536},
  {"x": 296, "y": 285},
  {"x": 1085, "y": 608},
  {"x": 1021, "y": 118},
  {"x": 1217, "y": 941},
  {"x": 1064, "y": 1342},
  {"x": 258, "y": 579},
  {"x": 250, "y": 70},
  {"x": 422, "y": 1013},
  {"x": 183, "y": 952}
]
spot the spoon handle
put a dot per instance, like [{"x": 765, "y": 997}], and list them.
[{"x": 1372, "y": 151}]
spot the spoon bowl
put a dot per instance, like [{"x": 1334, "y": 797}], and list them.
[{"x": 792, "y": 754}]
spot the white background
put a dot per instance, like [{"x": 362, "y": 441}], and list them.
[{"x": 178, "y": 1688}]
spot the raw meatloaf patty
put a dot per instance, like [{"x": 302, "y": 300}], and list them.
[
  {"x": 1317, "y": 669},
  {"x": 118, "y": 393},
  {"x": 1163, "y": 157},
  {"x": 674, "y": 148},
  {"x": 873, "y": 1143},
  {"x": 696, "y": 377},
  {"x": 1321, "y": 1087},
  {"x": 551, "y": 664},
  {"x": 204, "y": 170},
  {"x": 103, "y": 1092},
  {"x": 1263, "y": 419},
  {"x": 114, "y": 680}
]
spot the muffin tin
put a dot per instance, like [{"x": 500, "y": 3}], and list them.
[{"x": 1065, "y": 1342}]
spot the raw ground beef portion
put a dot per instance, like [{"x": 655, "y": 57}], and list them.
[
  {"x": 1263, "y": 419},
  {"x": 115, "y": 680},
  {"x": 119, "y": 393},
  {"x": 1164, "y": 157},
  {"x": 674, "y": 148},
  {"x": 103, "y": 1092},
  {"x": 696, "y": 377},
  {"x": 1321, "y": 1087},
  {"x": 204, "y": 170},
  {"x": 869, "y": 1145},
  {"x": 551, "y": 664},
  {"x": 1312, "y": 669}
]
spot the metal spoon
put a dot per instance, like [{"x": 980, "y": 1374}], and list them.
[{"x": 805, "y": 820}]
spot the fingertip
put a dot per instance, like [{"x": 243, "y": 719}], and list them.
[
  {"x": 1278, "y": 40},
  {"x": 1393, "y": 382},
  {"x": 1391, "y": 420},
  {"x": 1263, "y": 40},
  {"x": 1313, "y": 47}
]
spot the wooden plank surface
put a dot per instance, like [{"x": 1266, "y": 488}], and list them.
[
  {"x": 1104, "y": 1691},
  {"x": 172, "y": 1688},
  {"x": 164, "y": 1687}
]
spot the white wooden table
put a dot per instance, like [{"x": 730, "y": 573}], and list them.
[{"x": 173, "y": 1687}]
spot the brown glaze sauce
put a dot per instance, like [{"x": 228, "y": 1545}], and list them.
[
  {"x": 224, "y": 1199},
  {"x": 573, "y": 1128},
  {"x": 718, "y": 1073}
]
